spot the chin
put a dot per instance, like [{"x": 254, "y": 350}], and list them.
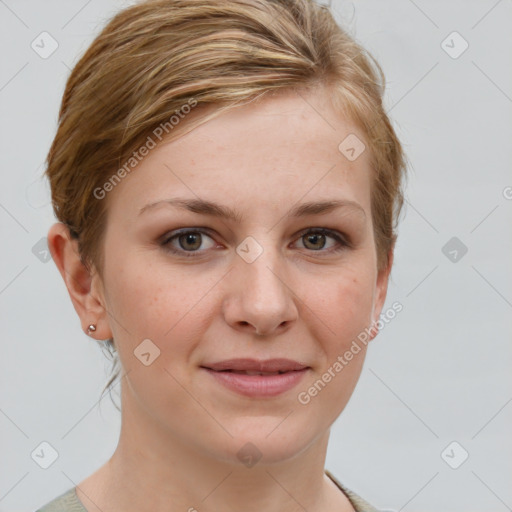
[{"x": 267, "y": 440}]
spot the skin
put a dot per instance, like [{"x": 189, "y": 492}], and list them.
[{"x": 181, "y": 430}]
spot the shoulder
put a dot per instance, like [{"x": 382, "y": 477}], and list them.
[
  {"x": 359, "y": 504},
  {"x": 66, "y": 502}
]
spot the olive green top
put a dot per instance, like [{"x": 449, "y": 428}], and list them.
[{"x": 69, "y": 502}]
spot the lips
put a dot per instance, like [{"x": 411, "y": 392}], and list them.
[
  {"x": 256, "y": 367},
  {"x": 257, "y": 379},
  {"x": 247, "y": 372}
]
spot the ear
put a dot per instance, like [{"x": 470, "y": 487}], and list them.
[
  {"x": 381, "y": 291},
  {"x": 84, "y": 286}
]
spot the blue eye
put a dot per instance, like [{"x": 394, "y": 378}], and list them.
[{"x": 190, "y": 242}]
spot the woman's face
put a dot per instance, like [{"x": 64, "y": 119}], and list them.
[{"x": 262, "y": 284}]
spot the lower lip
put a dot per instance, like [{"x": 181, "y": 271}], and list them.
[{"x": 258, "y": 385}]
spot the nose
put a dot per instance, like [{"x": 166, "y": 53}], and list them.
[{"x": 259, "y": 301}]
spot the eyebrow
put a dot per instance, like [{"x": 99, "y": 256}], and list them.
[{"x": 224, "y": 212}]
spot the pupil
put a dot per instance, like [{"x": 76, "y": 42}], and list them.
[
  {"x": 190, "y": 238},
  {"x": 314, "y": 239}
]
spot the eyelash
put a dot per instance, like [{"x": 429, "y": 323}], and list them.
[{"x": 343, "y": 243}]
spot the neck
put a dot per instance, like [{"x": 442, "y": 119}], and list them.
[{"x": 152, "y": 470}]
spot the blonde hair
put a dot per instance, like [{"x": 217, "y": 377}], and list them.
[{"x": 154, "y": 57}]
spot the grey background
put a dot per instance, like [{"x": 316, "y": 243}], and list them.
[{"x": 439, "y": 372}]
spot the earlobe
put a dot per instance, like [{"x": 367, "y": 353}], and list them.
[{"x": 79, "y": 281}]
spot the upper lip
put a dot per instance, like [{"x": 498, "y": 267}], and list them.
[{"x": 254, "y": 365}]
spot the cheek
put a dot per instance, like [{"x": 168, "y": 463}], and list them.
[
  {"x": 345, "y": 306},
  {"x": 160, "y": 304}
]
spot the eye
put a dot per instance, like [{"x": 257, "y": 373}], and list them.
[
  {"x": 187, "y": 241},
  {"x": 316, "y": 239},
  {"x": 192, "y": 242}
]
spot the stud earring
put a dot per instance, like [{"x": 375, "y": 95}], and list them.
[{"x": 91, "y": 328}]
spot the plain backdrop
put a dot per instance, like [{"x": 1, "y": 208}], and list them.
[{"x": 428, "y": 427}]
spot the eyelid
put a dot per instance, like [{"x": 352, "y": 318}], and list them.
[{"x": 183, "y": 231}]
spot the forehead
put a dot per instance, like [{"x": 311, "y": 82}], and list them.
[{"x": 272, "y": 152}]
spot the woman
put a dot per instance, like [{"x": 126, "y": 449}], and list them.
[{"x": 228, "y": 187}]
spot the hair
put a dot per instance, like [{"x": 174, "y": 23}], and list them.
[{"x": 157, "y": 58}]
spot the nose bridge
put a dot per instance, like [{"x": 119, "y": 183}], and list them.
[
  {"x": 260, "y": 264},
  {"x": 260, "y": 299}
]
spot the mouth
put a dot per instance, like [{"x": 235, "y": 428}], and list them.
[
  {"x": 256, "y": 367},
  {"x": 247, "y": 372},
  {"x": 255, "y": 378}
]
